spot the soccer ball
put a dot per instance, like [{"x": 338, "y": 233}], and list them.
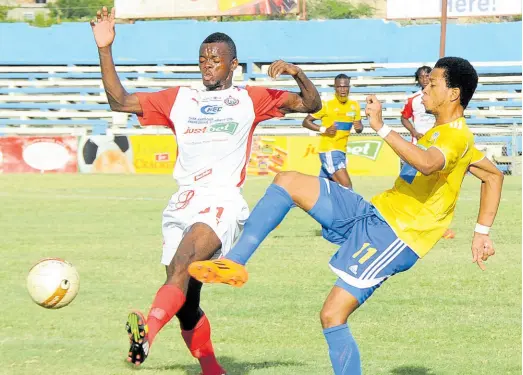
[{"x": 53, "y": 283}]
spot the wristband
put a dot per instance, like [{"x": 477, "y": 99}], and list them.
[
  {"x": 482, "y": 229},
  {"x": 323, "y": 129},
  {"x": 384, "y": 131}
]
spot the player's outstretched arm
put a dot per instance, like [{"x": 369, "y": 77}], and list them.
[
  {"x": 104, "y": 33},
  {"x": 425, "y": 161},
  {"x": 491, "y": 185},
  {"x": 308, "y": 100}
]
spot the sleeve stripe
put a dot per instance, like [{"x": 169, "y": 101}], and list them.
[{"x": 477, "y": 161}]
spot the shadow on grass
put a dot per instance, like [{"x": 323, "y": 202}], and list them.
[
  {"x": 412, "y": 370},
  {"x": 232, "y": 366}
]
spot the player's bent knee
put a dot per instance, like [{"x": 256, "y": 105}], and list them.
[
  {"x": 286, "y": 179},
  {"x": 332, "y": 317}
]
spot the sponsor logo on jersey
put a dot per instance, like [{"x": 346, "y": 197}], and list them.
[
  {"x": 224, "y": 127},
  {"x": 211, "y": 99},
  {"x": 366, "y": 149},
  {"x": 230, "y": 101},
  {"x": 206, "y": 173},
  {"x": 211, "y": 109}
]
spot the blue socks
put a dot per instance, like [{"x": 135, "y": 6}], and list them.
[
  {"x": 343, "y": 350},
  {"x": 268, "y": 213}
]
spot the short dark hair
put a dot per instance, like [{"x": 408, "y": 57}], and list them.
[
  {"x": 341, "y": 76},
  {"x": 222, "y": 38},
  {"x": 459, "y": 73},
  {"x": 422, "y": 69}
]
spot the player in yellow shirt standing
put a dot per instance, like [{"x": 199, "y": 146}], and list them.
[
  {"x": 396, "y": 228},
  {"x": 338, "y": 116}
]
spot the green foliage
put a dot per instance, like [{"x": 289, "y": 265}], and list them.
[
  {"x": 78, "y": 9},
  {"x": 336, "y": 9},
  {"x": 42, "y": 21},
  {"x": 3, "y": 12}
]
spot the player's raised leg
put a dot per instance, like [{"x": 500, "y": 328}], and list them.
[
  {"x": 199, "y": 243},
  {"x": 289, "y": 189}
]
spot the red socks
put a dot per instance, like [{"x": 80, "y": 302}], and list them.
[
  {"x": 198, "y": 341},
  {"x": 168, "y": 301}
]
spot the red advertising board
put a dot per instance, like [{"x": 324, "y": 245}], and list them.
[{"x": 38, "y": 154}]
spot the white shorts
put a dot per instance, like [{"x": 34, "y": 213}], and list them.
[{"x": 224, "y": 210}]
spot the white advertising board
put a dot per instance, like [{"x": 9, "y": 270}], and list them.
[{"x": 406, "y": 9}]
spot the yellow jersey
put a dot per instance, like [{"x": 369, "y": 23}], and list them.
[
  {"x": 420, "y": 208},
  {"x": 343, "y": 116}
]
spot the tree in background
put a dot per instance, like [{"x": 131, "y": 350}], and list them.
[
  {"x": 3, "y": 13},
  {"x": 77, "y": 9},
  {"x": 337, "y": 9}
]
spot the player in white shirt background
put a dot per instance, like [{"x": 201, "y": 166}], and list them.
[
  {"x": 213, "y": 128},
  {"x": 414, "y": 116}
]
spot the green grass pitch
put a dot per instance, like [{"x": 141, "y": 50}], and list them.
[{"x": 443, "y": 317}]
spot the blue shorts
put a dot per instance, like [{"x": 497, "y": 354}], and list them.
[
  {"x": 370, "y": 252},
  {"x": 331, "y": 162}
]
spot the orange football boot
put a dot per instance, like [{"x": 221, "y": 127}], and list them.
[
  {"x": 222, "y": 271},
  {"x": 449, "y": 234}
]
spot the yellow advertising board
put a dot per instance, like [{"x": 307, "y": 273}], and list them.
[
  {"x": 153, "y": 154},
  {"x": 367, "y": 155},
  {"x": 269, "y": 155},
  {"x": 371, "y": 156}
]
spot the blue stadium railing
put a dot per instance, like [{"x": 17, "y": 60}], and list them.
[
  {"x": 249, "y": 75},
  {"x": 355, "y": 89}
]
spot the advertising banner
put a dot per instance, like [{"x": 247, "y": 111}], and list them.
[
  {"x": 198, "y": 8},
  {"x": 153, "y": 154},
  {"x": 156, "y": 154},
  {"x": 406, "y": 9},
  {"x": 105, "y": 154},
  {"x": 38, "y": 154},
  {"x": 366, "y": 156}
]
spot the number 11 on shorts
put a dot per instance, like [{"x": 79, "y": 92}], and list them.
[{"x": 370, "y": 251}]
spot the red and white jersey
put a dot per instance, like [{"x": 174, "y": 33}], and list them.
[
  {"x": 415, "y": 110},
  {"x": 213, "y": 129}
]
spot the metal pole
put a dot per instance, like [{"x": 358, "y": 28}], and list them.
[
  {"x": 443, "y": 34},
  {"x": 304, "y": 10},
  {"x": 516, "y": 167}
]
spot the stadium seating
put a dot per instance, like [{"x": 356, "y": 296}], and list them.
[
  {"x": 47, "y": 89},
  {"x": 74, "y": 95}
]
